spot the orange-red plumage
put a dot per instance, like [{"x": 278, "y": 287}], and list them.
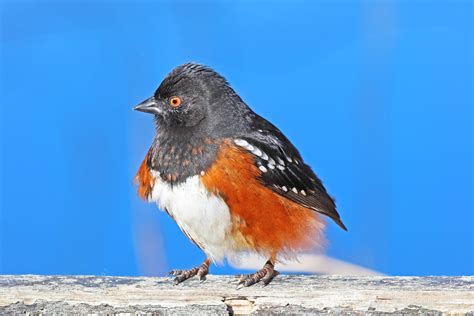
[
  {"x": 144, "y": 179},
  {"x": 262, "y": 220}
]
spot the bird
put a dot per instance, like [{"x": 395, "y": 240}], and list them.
[{"x": 230, "y": 179}]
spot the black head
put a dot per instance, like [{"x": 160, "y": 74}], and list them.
[{"x": 189, "y": 96}]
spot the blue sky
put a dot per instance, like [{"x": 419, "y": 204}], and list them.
[{"x": 377, "y": 95}]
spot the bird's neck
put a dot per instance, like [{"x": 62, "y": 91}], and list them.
[{"x": 177, "y": 155}]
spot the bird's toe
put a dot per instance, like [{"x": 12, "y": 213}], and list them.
[
  {"x": 175, "y": 272},
  {"x": 265, "y": 275}
]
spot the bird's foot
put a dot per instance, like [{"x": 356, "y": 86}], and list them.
[
  {"x": 265, "y": 275},
  {"x": 182, "y": 275}
]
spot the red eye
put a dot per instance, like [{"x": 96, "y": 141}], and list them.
[{"x": 175, "y": 101}]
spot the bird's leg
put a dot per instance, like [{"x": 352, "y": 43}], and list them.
[
  {"x": 201, "y": 271},
  {"x": 264, "y": 275}
]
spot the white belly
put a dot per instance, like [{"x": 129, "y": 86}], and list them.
[{"x": 204, "y": 217}]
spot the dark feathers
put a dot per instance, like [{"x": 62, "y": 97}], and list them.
[{"x": 284, "y": 171}]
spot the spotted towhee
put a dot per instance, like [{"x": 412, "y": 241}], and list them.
[{"x": 229, "y": 178}]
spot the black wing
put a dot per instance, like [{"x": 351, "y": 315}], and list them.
[{"x": 283, "y": 170}]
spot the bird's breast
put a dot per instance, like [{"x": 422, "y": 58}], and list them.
[
  {"x": 177, "y": 159},
  {"x": 226, "y": 209},
  {"x": 204, "y": 217}
]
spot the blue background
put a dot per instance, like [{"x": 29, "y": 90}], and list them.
[{"x": 377, "y": 95}]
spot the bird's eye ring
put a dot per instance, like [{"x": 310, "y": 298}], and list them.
[{"x": 175, "y": 101}]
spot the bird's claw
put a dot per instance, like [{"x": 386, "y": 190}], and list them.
[
  {"x": 182, "y": 275},
  {"x": 265, "y": 275},
  {"x": 175, "y": 272}
]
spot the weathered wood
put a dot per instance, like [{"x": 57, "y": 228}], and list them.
[{"x": 370, "y": 295}]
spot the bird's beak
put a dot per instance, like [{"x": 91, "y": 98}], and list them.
[{"x": 148, "y": 106}]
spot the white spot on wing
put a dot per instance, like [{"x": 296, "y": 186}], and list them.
[
  {"x": 284, "y": 188},
  {"x": 294, "y": 190},
  {"x": 241, "y": 142},
  {"x": 257, "y": 152}
]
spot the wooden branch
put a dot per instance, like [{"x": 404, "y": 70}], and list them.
[{"x": 372, "y": 295}]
